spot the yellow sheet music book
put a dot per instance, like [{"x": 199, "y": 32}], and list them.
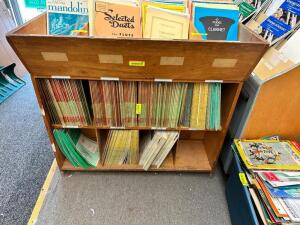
[
  {"x": 268, "y": 154},
  {"x": 173, "y": 7},
  {"x": 166, "y": 24}
]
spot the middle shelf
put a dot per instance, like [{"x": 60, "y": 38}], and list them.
[{"x": 132, "y": 104}]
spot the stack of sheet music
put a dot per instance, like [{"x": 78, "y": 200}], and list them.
[
  {"x": 130, "y": 104},
  {"x": 274, "y": 184},
  {"x": 122, "y": 147},
  {"x": 80, "y": 150},
  {"x": 114, "y": 103},
  {"x": 273, "y": 19},
  {"x": 66, "y": 101},
  {"x": 193, "y": 105},
  {"x": 157, "y": 147}
]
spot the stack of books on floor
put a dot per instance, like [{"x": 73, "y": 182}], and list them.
[
  {"x": 272, "y": 170},
  {"x": 66, "y": 101},
  {"x": 80, "y": 150}
]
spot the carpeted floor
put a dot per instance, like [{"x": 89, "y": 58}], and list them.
[
  {"x": 111, "y": 198},
  {"x": 25, "y": 155}
]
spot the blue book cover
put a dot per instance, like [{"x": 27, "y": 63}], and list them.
[
  {"x": 216, "y": 21},
  {"x": 67, "y": 17},
  {"x": 281, "y": 22},
  {"x": 284, "y": 192}
]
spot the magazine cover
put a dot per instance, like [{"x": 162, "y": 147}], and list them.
[
  {"x": 268, "y": 154},
  {"x": 249, "y": 7},
  {"x": 281, "y": 22},
  {"x": 67, "y": 17}
]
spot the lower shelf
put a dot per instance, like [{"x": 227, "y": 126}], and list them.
[{"x": 190, "y": 157}]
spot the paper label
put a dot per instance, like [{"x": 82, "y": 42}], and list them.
[
  {"x": 243, "y": 179},
  {"x": 109, "y": 78},
  {"x": 138, "y": 109},
  {"x": 158, "y": 128},
  {"x": 163, "y": 80},
  {"x": 42, "y": 111},
  {"x": 70, "y": 126},
  {"x": 60, "y": 77},
  {"x": 136, "y": 63},
  {"x": 213, "y": 81},
  {"x": 53, "y": 148},
  {"x": 117, "y": 128}
]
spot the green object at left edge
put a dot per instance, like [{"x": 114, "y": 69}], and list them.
[{"x": 39, "y": 4}]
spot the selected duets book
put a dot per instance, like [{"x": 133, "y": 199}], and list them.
[
  {"x": 116, "y": 19},
  {"x": 67, "y": 17}
]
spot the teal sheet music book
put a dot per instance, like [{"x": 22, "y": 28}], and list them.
[
  {"x": 67, "y": 17},
  {"x": 216, "y": 21}
]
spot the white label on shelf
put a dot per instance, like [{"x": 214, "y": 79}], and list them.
[
  {"x": 60, "y": 77},
  {"x": 158, "y": 128},
  {"x": 53, "y": 147},
  {"x": 163, "y": 80},
  {"x": 109, "y": 78},
  {"x": 119, "y": 128},
  {"x": 194, "y": 128},
  {"x": 70, "y": 126},
  {"x": 42, "y": 111},
  {"x": 213, "y": 81}
]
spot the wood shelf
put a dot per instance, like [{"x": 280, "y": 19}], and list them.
[
  {"x": 190, "y": 157},
  {"x": 59, "y": 126},
  {"x": 71, "y": 57}
]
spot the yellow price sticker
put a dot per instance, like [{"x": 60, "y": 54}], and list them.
[
  {"x": 138, "y": 109},
  {"x": 243, "y": 179},
  {"x": 136, "y": 63},
  {"x": 199, "y": 34}
]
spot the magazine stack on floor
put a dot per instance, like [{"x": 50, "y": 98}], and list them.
[{"x": 272, "y": 173}]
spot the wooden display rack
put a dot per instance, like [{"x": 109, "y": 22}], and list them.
[{"x": 95, "y": 58}]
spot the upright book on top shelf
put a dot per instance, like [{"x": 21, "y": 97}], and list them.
[
  {"x": 112, "y": 18},
  {"x": 67, "y": 17},
  {"x": 166, "y": 24},
  {"x": 214, "y": 21}
]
